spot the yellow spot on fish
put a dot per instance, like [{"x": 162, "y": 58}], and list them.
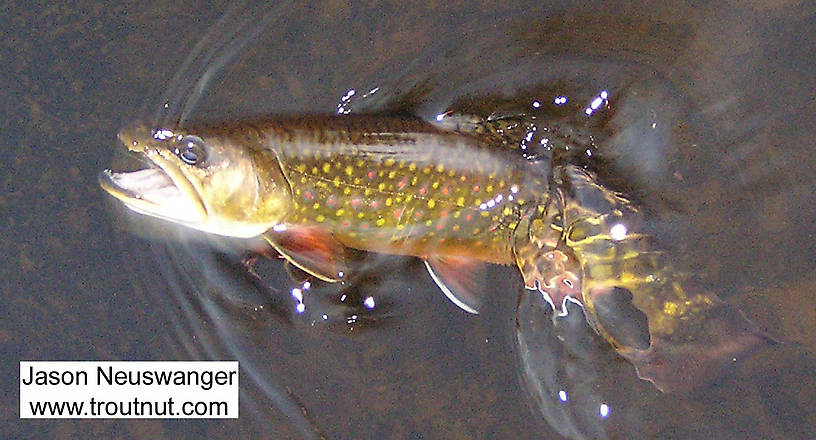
[
  {"x": 326, "y": 167},
  {"x": 357, "y": 181},
  {"x": 412, "y": 166},
  {"x": 670, "y": 308},
  {"x": 339, "y": 212},
  {"x": 507, "y": 211},
  {"x": 381, "y": 186},
  {"x": 346, "y": 190},
  {"x": 440, "y": 168},
  {"x": 388, "y": 201},
  {"x": 426, "y": 170},
  {"x": 475, "y": 231},
  {"x": 380, "y": 222},
  {"x": 456, "y": 215},
  {"x": 435, "y": 185},
  {"x": 389, "y": 162},
  {"x": 303, "y": 180},
  {"x": 316, "y": 206},
  {"x": 489, "y": 188},
  {"x": 428, "y": 223},
  {"x": 367, "y": 191},
  {"x": 359, "y": 163},
  {"x": 320, "y": 218},
  {"x": 391, "y": 174},
  {"x": 301, "y": 168},
  {"x": 455, "y": 227},
  {"x": 314, "y": 170},
  {"x": 431, "y": 203},
  {"x": 485, "y": 213},
  {"x": 460, "y": 201},
  {"x": 451, "y": 173},
  {"x": 360, "y": 215},
  {"x": 349, "y": 170}
]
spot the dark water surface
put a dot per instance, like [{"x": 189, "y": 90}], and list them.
[{"x": 713, "y": 133}]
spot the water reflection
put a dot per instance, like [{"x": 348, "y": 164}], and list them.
[{"x": 668, "y": 133}]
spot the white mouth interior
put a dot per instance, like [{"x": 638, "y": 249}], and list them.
[
  {"x": 151, "y": 184},
  {"x": 152, "y": 192}
]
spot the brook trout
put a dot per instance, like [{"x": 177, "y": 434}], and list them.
[{"x": 457, "y": 196}]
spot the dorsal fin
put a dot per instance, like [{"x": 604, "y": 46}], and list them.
[
  {"x": 311, "y": 249},
  {"x": 461, "y": 279}
]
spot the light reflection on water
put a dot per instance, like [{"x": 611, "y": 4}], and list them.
[{"x": 690, "y": 141}]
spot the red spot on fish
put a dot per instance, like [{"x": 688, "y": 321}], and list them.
[
  {"x": 468, "y": 217},
  {"x": 475, "y": 188},
  {"x": 439, "y": 226},
  {"x": 345, "y": 223},
  {"x": 418, "y": 214},
  {"x": 443, "y": 214},
  {"x": 355, "y": 202},
  {"x": 374, "y": 203},
  {"x": 445, "y": 190},
  {"x": 398, "y": 213},
  {"x": 463, "y": 178},
  {"x": 401, "y": 184},
  {"x": 308, "y": 195},
  {"x": 371, "y": 174},
  {"x": 364, "y": 226},
  {"x": 331, "y": 201},
  {"x": 422, "y": 191}
]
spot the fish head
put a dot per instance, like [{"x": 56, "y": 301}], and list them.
[{"x": 216, "y": 182}]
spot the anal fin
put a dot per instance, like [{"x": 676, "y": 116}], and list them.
[{"x": 461, "y": 279}]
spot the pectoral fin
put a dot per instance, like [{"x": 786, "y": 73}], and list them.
[
  {"x": 462, "y": 280},
  {"x": 310, "y": 249}
]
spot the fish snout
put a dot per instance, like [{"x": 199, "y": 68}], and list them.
[{"x": 137, "y": 136}]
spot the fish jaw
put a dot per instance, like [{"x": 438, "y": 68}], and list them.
[
  {"x": 152, "y": 192},
  {"x": 162, "y": 190}
]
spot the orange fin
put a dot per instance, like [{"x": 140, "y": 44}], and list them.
[
  {"x": 461, "y": 279},
  {"x": 311, "y": 249}
]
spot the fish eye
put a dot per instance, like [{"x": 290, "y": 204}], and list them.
[{"x": 191, "y": 150}]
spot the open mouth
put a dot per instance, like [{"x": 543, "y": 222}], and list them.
[{"x": 153, "y": 192}]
